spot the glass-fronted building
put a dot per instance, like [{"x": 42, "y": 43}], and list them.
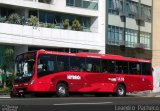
[{"x": 129, "y": 29}]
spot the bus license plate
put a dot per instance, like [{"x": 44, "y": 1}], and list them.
[{"x": 20, "y": 91}]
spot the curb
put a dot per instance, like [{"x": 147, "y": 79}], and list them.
[
  {"x": 145, "y": 94},
  {"x": 3, "y": 96}
]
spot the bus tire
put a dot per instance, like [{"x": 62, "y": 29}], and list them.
[
  {"x": 120, "y": 90},
  {"x": 62, "y": 90},
  {"x": 12, "y": 94}
]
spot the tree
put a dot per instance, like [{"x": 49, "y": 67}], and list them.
[{"x": 8, "y": 60}]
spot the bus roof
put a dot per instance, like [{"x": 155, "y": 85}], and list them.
[{"x": 94, "y": 55}]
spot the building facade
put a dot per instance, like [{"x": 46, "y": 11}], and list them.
[
  {"x": 52, "y": 14},
  {"x": 60, "y": 25},
  {"x": 156, "y": 45},
  {"x": 156, "y": 30},
  {"x": 129, "y": 29}
]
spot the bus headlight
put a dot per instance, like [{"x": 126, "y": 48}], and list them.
[{"x": 16, "y": 85}]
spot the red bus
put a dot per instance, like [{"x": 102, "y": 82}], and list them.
[{"x": 63, "y": 73}]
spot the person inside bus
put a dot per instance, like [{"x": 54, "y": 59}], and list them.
[
  {"x": 44, "y": 67},
  {"x": 60, "y": 66},
  {"x": 82, "y": 67},
  {"x": 95, "y": 68},
  {"x": 88, "y": 67},
  {"x": 105, "y": 70}
]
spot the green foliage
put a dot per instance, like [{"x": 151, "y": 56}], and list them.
[
  {"x": 42, "y": 25},
  {"x": 76, "y": 25},
  {"x": 50, "y": 25},
  {"x": 5, "y": 90},
  {"x": 33, "y": 21},
  {"x": 66, "y": 24},
  {"x": 46, "y": 25},
  {"x": 3, "y": 19},
  {"x": 8, "y": 62},
  {"x": 8, "y": 56},
  {"x": 14, "y": 18},
  {"x": 9, "y": 81}
]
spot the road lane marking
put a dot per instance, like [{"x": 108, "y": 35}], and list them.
[
  {"x": 99, "y": 103},
  {"x": 5, "y": 97}
]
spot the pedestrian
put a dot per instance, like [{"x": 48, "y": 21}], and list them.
[{"x": 1, "y": 72}]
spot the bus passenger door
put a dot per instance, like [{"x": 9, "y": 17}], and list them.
[
  {"x": 136, "y": 79},
  {"x": 147, "y": 76}
]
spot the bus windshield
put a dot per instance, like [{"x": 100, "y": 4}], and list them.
[{"x": 24, "y": 67}]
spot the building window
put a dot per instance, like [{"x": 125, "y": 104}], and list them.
[
  {"x": 88, "y": 4},
  {"x": 59, "y": 18},
  {"x": 146, "y": 13},
  {"x": 131, "y": 8},
  {"x": 131, "y": 37},
  {"x": 115, "y": 6},
  {"x": 78, "y": 3},
  {"x": 70, "y": 2},
  {"x": 115, "y": 35},
  {"x": 145, "y": 38},
  {"x": 92, "y": 4},
  {"x": 45, "y": 1},
  {"x": 33, "y": 12},
  {"x": 6, "y": 12}
]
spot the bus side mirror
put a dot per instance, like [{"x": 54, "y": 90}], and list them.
[{"x": 152, "y": 69}]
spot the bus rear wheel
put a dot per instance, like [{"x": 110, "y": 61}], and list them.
[
  {"x": 62, "y": 90},
  {"x": 121, "y": 90}
]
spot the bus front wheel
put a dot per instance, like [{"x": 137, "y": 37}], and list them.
[
  {"x": 62, "y": 90},
  {"x": 121, "y": 90}
]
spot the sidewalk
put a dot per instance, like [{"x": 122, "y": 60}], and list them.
[
  {"x": 134, "y": 94},
  {"x": 145, "y": 94},
  {"x": 5, "y": 95}
]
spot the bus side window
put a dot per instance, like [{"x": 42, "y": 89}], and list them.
[
  {"x": 88, "y": 67},
  {"x": 46, "y": 65},
  {"x": 134, "y": 68},
  {"x": 95, "y": 68},
  {"x": 121, "y": 67},
  {"x": 146, "y": 69},
  {"x": 108, "y": 66},
  {"x": 93, "y": 65},
  {"x": 105, "y": 66},
  {"x": 77, "y": 64},
  {"x": 62, "y": 63}
]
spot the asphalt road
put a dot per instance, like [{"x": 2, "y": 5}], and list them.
[{"x": 81, "y": 104}]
